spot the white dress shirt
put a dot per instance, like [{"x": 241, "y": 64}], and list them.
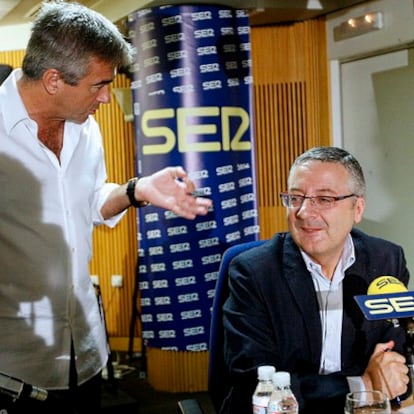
[
  {"x": 47, "y": 213},
  {"x": 330, "y": 299}
]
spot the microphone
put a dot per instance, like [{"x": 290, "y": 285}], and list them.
[
  {"x": 16, "y": 389},
  {"x": 386, "y": 284},
  {"x": 388, "y": 298}
]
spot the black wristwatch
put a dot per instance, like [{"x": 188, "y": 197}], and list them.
[{"x": 130, "y": 191}]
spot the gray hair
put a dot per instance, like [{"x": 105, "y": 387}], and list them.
[
  {"x": 339, "y": 156},
  {"x": 65, "y": 36}
]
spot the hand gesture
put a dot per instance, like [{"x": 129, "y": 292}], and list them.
[{"x": 172, "y": 189}]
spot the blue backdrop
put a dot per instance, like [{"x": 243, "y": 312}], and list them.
[{"x": 192, "y": 94}]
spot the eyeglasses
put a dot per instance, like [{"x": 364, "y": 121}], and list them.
[{"x": 320, "y": 202}]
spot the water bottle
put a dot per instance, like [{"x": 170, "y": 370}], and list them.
[
  {"x": 282, "y": 399},
  {"x": 264, "y": 388}
]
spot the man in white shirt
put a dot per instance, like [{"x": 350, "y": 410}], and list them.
[{"x": 54, "y": 190}]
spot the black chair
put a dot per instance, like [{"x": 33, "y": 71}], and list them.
[
  {"x": 218, "y": 378},
  {"x": 217, "y": 374},
  {"x": 189, "y": 406}
]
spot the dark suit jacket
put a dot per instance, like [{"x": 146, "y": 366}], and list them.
[{"x": 272, "y": 317}]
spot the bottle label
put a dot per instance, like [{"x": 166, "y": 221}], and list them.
[
  {"x": 287, "y": 405},
  {"x": 257, "y": 409},
  {"x": 260, "y": 402}
]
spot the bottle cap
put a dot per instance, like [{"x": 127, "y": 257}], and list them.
[
  {"x": 281, "y": 378},
  {"x": 265, "y": 372}
]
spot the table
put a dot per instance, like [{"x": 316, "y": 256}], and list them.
[{"x": 407, "y": 407}]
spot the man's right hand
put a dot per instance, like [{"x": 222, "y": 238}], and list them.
[{"x": 386, "y": 371}]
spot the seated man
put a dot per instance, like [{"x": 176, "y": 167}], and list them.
[{"x": 291, "y": 301}]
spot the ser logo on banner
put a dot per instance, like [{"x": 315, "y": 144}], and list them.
[{"x": 188, "y": 125}]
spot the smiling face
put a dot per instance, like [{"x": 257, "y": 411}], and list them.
[
  {"x": 322, "y": 233},
  {"x": 77, "y": 102}
]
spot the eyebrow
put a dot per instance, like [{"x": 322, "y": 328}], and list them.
[
  {"x": 317, "y": 191},
  {"x": 103, "y": 82}
]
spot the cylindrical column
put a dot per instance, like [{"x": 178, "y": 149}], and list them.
[{"x": 192, "y": 94}]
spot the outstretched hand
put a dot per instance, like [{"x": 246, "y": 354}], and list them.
[{"x": 172, "y": 189}]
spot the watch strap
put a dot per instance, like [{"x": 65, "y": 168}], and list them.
[{"x": 130, "y": 191}]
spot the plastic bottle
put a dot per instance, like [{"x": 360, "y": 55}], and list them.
[
  {"x": 282, "y": 399},
  {"x": 264, "y": 388}
]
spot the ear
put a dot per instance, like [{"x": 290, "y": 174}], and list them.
[
  {"x": 51, "y": 81},
  {"x": 359, "y": 209}
]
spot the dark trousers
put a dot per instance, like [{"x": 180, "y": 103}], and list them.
[{"x": 82, "y": 399}]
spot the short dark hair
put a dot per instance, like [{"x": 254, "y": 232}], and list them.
[
  {"x": 65, "y": 36},
  {"x": 336, "y": 155}
]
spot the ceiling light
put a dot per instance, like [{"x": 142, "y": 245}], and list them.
[{"x": 357, "y": 26}]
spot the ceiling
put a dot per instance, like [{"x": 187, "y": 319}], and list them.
[{"x": 262, "y": 12}]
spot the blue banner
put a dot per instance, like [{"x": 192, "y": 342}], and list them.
[{"x": 192, "y": 94}]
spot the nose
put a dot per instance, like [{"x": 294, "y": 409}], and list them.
[
  {"x": 308, "y": 204},
  {"x": 104, "y": 95}
]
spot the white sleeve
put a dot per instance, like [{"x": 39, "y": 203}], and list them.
[
  {"x": 102, "y": 196},
  {"x": 356, "y": 384}
]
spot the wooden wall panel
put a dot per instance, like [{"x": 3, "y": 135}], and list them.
[
  {"x": 177, "y": 371},
  {"x": 13, "y": 58},
  {"x": 115, "y": 250},
  {"x": 291, "y": 104}
]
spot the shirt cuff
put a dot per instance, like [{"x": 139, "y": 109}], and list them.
[
  {"x": 356, "y": 384},
  {"x": 101, "y": 198}
]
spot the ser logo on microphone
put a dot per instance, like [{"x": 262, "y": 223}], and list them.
[
  {"x": 387, "y": 298},
  {"x": 387, "y": 305}
]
